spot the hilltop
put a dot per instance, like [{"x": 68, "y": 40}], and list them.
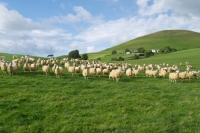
[{"x": 178, "y": 39}]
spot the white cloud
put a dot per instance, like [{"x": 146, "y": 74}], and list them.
[
  {"x": 81, "y": 15},
  {"x": 90, "y": 49},
  {"x": 22, "y": 35}
]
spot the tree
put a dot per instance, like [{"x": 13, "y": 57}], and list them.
[
  {"x": 74, "y": 54},
  {"x": 127, "y": 50},
  {"x": 114, "y": 52},
  {"x": 50, "y": 55},
  {"x": 141, "y": 50},
  {"x": 84, "y": 56}
]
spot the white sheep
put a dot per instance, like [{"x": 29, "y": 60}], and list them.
[
  {"x": 154, "y": 73},
  {"x": 66, "y": 65},
  {"x": 182, "y": 75},
  {"x": 196, "y": 73},
  {"x": 162, "y": 73},
  {"x": 189, "y": 75},
  {"x": 116, "y": 74},
  {"x": 4, "y": 66},
  {"x": 92, "y": 71},
  {"x": 147, "y": 72},
  {"x": 46, "y": 69},
  {"x": 99, "y": 71},
  {"x": 129, "y": 72},
  {"x": 34, "y": 67},
  {"x": 71, "y": 69},
  {"x": 77, "y": 69},
  {"x": 10, "y": 69},
  {"x": 106, "y": 70},
  {"x": 136, "y": 72},
  {"x": 173, "y": 77},
  {"x": 58, "y": 71},
  {"x": 85, "y": 73},
  {"x": 26, "y": 67}
]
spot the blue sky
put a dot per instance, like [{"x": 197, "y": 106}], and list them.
[{"x": 42, "y": 27}]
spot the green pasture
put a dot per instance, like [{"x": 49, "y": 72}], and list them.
[{"x": 35, "y": 103}]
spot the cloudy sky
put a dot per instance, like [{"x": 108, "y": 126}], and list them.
[{"x": 42, "y": 27}]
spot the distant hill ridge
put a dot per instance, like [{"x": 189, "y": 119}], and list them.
[{"x": 178, "y": 39}]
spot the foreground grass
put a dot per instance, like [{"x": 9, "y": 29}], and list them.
[{"x": 33, "y": 102}]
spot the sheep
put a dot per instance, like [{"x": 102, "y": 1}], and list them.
[
  {"x": 34, "y": 67},
  {"x": 66, "y": 65},
  {"x": 129, "y": 72},
  {"x": 54, "y": 67},
  {"x": 71, "y": 70},
  {"x": 106, "y": 70},
  {"x": 196, "y": 73},
  {"x": 136, "y": 72},
  {"x": 173, "y": 77},
  {"x": 182, "y": 75},
  {"x": 10, "y": 69},
  {"x": 153, "y": 73},
  {"x": 16, "y": 67},
  {"x": 99, "y": 71},
  {"x": 58, "y": 71},
  {"x": 147, "y": 72},
  {"x": 77, "y": 69},
  {"x": 116, "y": 74},
  {"x": 30, "y": 60},
  {"x": 46, "y": 69},
  {"x": 92, "y": 71},
  {"x": 26, "y": 67},
  {"x": 85, "y": 73},
  {"x": 162, "y": 73},
  {"x": 189, "y": 75},
  {"x": 14, "y": 56},
  {"x": 3, "y": 66}
]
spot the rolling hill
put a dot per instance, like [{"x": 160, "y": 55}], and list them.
[{"x": 179, "y": 39}]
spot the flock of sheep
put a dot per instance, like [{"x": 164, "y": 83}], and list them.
[{"x": 96, "y": 68}]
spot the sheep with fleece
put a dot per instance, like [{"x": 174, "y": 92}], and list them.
[
  {"x": 196, "y": 73},
  {"x": 77, "y": 69},
  {"x": 54, "y": 67},
  {"x": 173, "y": 77},
  {"x": 136, "y": 72},
  {"x": 147, "y": 72},
  {"x": 16, "y": 67},
  {"x": 15, "y": 56},
  {"x": 106, "y": 70},
  {"x": 4, "y": 66},
  {"x": 58, "y": 71},
  {"x": 46, "y": 69},
  {"x": 116, "y": 74},
  {"x": 66, "y": 65},
  {"x": 71, "y": 70},
  {"x": 30, "y": 59},
  {"x": 10, "y": 69},
  {"x": 189, "y": 75},
  {"x": 92, "y": 71},
  {"x": 99, "y": 71},
  {"x": 182, "y": 75},
  {"x": 162, "y": 73},
  {"x": 154, "y": 73},
  {"x": 26, "y": 67},
  {"x": 34, "y": 67},
  {"x": 129, "y": 72},
  {"x": 86, "y": 73}
]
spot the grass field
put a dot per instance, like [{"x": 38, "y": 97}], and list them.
[{"x": 34, "y": 102}]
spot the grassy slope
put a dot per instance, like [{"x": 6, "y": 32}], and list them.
[
  {"x": 179, "y": 39},
  {"x": 33, "y": 102}
]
